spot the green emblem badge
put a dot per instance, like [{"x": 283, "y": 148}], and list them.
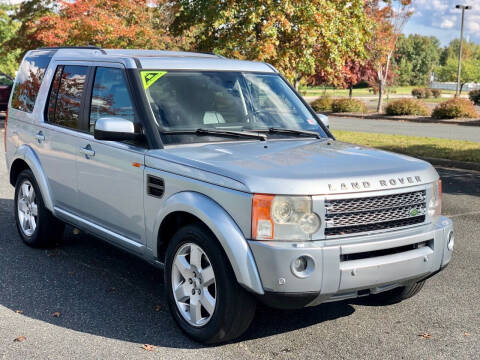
[{"x": 414, "y": 212}]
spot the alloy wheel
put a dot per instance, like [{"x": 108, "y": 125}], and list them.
[
  {"x": 27, "y": 208},
  {"x": 193, "y": 284}
]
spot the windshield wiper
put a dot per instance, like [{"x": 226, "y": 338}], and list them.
[
  {"x": 274, "y": 130},
  {"x": 223, "y": 133}
]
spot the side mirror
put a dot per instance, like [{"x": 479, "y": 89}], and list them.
[
  {"x": 115, "y": 129},
  {"x": 324, "y": 119}
]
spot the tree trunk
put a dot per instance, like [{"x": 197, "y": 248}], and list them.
[
  {"x": 380, "y": 95},
  {"x": 350, "y": 92},
  {"x": 296, "y": 83}
]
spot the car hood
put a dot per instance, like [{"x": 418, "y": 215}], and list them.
[{"x": 295, "y": 167}]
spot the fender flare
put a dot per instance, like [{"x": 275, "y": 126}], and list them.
[
  {"x": 26, "y": 153},
  {"x": 222, "y": 226}
]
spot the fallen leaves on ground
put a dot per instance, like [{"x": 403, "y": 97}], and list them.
[
  {"x": 19, "y": 311},
  {"x": 53, "y": 253},
  {"x": 425, "y": 335},
  {"x": 148, "y": 347},
  {"x": 56, "y": 314},
  {"x": 467, "y": 334},
  {"x": 20, "y": 339}
]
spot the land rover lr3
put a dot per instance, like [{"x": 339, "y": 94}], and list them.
[{"x": 217, "y": 171}]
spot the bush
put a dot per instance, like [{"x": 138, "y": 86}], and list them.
[
  {"x": 348, "y": 105},
  {"x": 418, "y": 93},
  {"x": 407, "y": 107},
  {"x": 436, "y": 93},
  {"x": 422, "y": 93},
  {"x": 474, "y": 95},
  {"x": 322, "y": 104},
  {"x": 455, "y": 108}
]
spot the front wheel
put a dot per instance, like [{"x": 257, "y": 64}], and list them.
[{"x": 202, "y": 292}]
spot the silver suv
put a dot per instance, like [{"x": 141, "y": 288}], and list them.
[{"x": 217, "y": 171}]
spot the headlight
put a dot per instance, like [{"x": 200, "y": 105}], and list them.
[
  {"x": 435, "y": 203},
  {"x": 283, "y": 218}
]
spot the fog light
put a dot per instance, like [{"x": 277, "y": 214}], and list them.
[
  {"x": 451, "y": 241},
  {"x": 300, "y": 264},
  {"x": 303, "y": 266}
]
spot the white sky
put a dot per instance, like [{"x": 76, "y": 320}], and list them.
[{"x": 440, "y": 18}]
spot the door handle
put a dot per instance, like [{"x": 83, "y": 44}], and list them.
[
  {"x": 88, "y": 151},
  {"x": 40, "y": 137}
]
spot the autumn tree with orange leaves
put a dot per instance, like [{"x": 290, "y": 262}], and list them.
[
  {"x": 107, "y": 23},
  {"x": 389, "y": 18}
]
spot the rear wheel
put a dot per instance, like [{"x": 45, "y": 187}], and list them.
[
  {"x": 35, "y": 224},
  {"x": 202, "y": 292},
  {"x": 398, "y": 294}
]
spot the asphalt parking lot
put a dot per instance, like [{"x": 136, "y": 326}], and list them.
[{"x": 86, "y": 300}]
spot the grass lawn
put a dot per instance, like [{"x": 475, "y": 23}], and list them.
[
  {"x": 415, "y": 146},
  {"x": 319, "y": 91}
]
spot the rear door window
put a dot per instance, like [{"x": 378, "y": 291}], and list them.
[
  {"x": 29, "y": 79},
  {"x": 110, "y": 96},
  {"x": 66, "y": 94}
]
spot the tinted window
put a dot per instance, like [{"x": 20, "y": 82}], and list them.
[
  {"x": 110, "y": 97},
  {"x": 52, "y": 98},
  {"x": 29, "y": 79},
  {"x": 69, "y": 98}
]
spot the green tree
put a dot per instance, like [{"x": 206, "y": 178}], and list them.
[
  {"x": 415, "y": 58},
  {"x": 8, "y": 29},
  {"x": 470, "y": 71},
  {"x": 297, "y": 37},
  {"x": 469, "y": 50}
]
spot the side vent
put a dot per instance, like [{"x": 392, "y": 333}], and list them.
[{"x": 155, "y": 186}]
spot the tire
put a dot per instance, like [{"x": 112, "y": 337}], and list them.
[
  {"x": 397, "y": 295},
  {"x": 234, "y": 307},
  {"x": 44, "y": 230}
]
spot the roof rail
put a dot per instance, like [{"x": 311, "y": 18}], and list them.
[
  {"x": 211, "y": 53},
  {"x": 87, "y": 47}
]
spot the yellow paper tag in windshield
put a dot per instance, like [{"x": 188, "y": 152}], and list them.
[{"x": 150, "y": 77}]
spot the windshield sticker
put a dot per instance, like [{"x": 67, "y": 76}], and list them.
[
  {"x": 311, "y": 121},
  {"x": 150, "y": 77}
]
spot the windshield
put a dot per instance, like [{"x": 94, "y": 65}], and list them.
[{"x": 231, "y": 101}]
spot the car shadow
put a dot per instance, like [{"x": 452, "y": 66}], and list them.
[{"x": 87, "y": 285}]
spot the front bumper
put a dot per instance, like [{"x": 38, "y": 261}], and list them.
[{"x": 351, "y": 267}]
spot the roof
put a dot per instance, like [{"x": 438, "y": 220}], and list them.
[{"x": 160, "y": 59}]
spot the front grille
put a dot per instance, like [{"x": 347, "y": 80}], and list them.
[{"x": 350, "y": 216}]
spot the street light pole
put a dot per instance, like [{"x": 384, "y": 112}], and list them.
[{"x": 463, "y": 7}]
